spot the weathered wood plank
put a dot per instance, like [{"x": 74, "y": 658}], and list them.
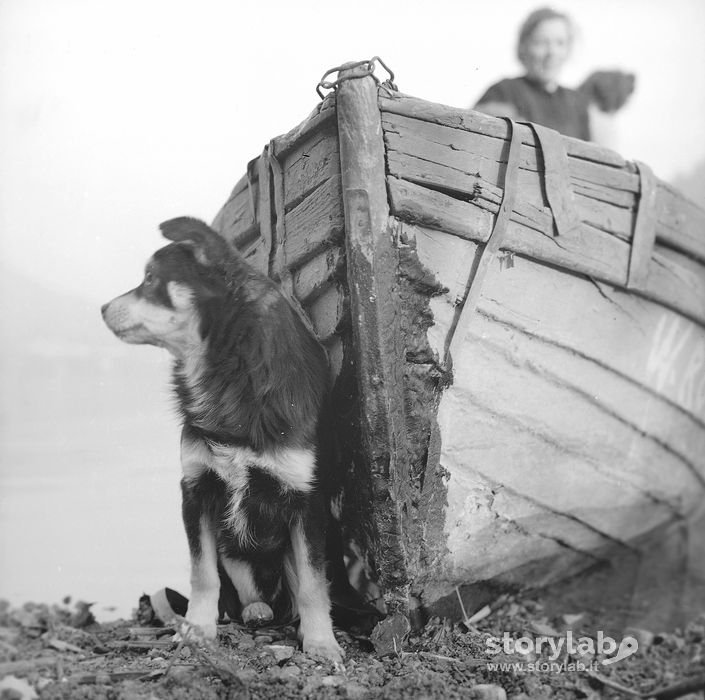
[
  {"x": 237, "y": 219},
  {"x": 612, "y": 181},
  {"x": 469, "y": 120},
  {"x": 257, "y": 254},
  {"x": 265, "y": 208},
  {"x": 307, "y": 166},
  {"x": 415, "y": 152},
  {"x": 678, "y": 282},
  {"x": 588, "y": 251},
  {"x": 315, "y": 276},
  {"x": 313, "y": 225},
  {"x": 650, "y": 346},
  {"x": 681, "y": 223},
  {"x": 335, "y": 349},
  {"x": 601, "y": 416},
  {"x": 323, "y": 114},
  {"x": 470, "y": 184},
  {"x": 531, "y": 462},
  {"x": 468, "y": 144},
  {"x": 492, "y": 532},
  {"x": 327, "y": 312},
  {"x": 673, "y": 280}
]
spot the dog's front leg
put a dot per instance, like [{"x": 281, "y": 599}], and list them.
[
  {"x": 205, "y": 583},
  {"x": 311, "y": 594}
]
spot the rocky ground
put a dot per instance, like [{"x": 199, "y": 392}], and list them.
[{"x": 57, "y": 652}]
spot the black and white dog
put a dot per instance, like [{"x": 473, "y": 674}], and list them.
[{"x": 251, "y": 382}]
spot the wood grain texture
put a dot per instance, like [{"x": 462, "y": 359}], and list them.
[
  {"x": 322, "y": 115},
  {"x": 309, "y": 164},
  {"x": 316, "y": 223},
  {"x": 673, "y": 280},
  {"x": 596, "y": 173},
  {"x": 650, "y": 348},
  {"x": 327, "y": 312},
  {"x": 316, "y": 275},
  {"x": 371, "y": 268},
  {"x": 237, "y": 219}
]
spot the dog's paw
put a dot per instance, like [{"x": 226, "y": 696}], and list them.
[
  {"x": 257, "y": 614},
  {"x": 324, "y": 648}
]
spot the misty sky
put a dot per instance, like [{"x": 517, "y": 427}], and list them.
[{"x": 117, "y": 115}]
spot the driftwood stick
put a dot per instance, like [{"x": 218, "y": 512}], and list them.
[
  {"x": 672, "y": 692},
  {"x": 176, "y": 653},
  {"x": 614, "y": 685},
  {"x": 146, "y": 644},
  {"x": 692, "y": 685},
  {"x": 11, "y": 667},
  {"x": 150, "y": 631}
]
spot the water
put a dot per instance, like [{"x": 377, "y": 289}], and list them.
[{"x": 90, "y": 504}]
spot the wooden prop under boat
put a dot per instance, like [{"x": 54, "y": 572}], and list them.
[{"x": 515, "y": 326}]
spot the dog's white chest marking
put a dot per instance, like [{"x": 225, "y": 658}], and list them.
[{"x": 293, "y": 468}]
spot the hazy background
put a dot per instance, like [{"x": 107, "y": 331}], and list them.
[{"x": 117, "y": 115}]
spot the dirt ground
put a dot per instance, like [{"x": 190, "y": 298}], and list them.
[{"x": 54, "y": 652}]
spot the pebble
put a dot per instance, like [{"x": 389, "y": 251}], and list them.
[
  {"x": 485, "y": 691},
  {"x": 290, "y": 672},
  {"x": 13, "y": 687},
  {"x": 356, "y": 691},
  {"x": 644, "y": 638},
  {"x": 274, "y": 634},
  {"x": 388, "y": 636},
  {"x": 263, "y": 639},
  {"x": 280, "y": 652},
  {"x": 331, "y": 681},
  {"x": 247, "y": 675},
  {"x": 246, "y": 643}
]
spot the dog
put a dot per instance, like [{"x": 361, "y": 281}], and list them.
[{"x": 251, "y": 383}]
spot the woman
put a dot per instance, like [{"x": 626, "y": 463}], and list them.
[{"x": 545, "y": 42}]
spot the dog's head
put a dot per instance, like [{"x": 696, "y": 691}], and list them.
[{"x": 164, "y": 309}]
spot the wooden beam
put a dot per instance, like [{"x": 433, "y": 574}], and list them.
[{"x": 371, "y": 278}]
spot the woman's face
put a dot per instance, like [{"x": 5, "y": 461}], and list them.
[{"x": 546, "y": 50}]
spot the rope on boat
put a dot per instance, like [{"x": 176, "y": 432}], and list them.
[
  {"x": 465, "y": 309},
  {"x": 356, "y": 69},
  {"x": 644, "y": 229}
]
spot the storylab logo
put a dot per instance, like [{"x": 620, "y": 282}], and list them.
[{"x": 549, "y": 650}]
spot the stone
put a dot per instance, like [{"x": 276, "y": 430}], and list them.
[
  {"x": 389, "y": 635},
  {"x": 280, "y": 652},
  {"x": 485, "y": 691}
]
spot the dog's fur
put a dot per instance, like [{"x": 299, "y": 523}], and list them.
[{"x": 251, "y": 382}]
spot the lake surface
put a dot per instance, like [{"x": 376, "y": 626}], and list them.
[{"x": 90, "y": 503}]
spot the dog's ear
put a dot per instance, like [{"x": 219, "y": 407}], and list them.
[{"x": 208, "y": 246}]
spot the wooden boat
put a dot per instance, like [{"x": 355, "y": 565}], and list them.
[{"x": 514, "y": 321}]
